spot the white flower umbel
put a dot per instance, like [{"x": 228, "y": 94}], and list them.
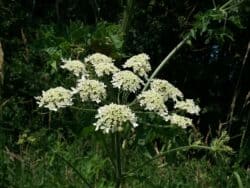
[
  {"x": 92, "y": 90},
  {"x": 126, "y": 81},
  {"x": 140, "y": 64},
  {"x": 97, "y": 58},
  {"x": 74, "y": 66},
  {"x": 188, "y": 105},
  {"x": 166, "y": 89},
  {"x": 105, "y": 68},
  {"x": 112, "y": 117},
  {"x": 153, "y": 101},
  {"x": 180, "y": 121},
  {"x": 55, "y": 98}
]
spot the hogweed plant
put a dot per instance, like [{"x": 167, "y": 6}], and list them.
[{"x": 135, "y": 93}]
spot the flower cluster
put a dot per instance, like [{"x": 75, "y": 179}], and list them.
[
  {"x": 105, "y": 68},
  {"x": 112, "y": 117},
  {"x": 188, "y": 105},
  {"x": 97, "y": 58},
  {"x": 180, "y": 121},
  {"x": 140, "y": 64},
  {"x": 92, "y": 90},
  {"x": 55, "y": 98},
  {"x": 166, "y": 89},
  {"x": 74, "y": 66},
  {"x": 153, "y": 101},
  {"x": 126, "y": 81},
  {"x": 102, "y": 64}
]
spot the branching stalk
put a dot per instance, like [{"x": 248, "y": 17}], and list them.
[
  {"x": 165, "y": 61},
  {"x": 162, "y": 64},
  {"x": 226, "y": 4}
]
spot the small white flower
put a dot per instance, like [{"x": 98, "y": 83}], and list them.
[
  {"x": 166, "y": 89},
  {"x": 92, "y": 90},
  {"x": 74, "y": 66},
  {"x": 140, "y": 64},
  {"x": 104, "y": 68},
  {"x": 126, "y": 81},
  {"x": 153, "y": 101},
  {"x": 97, "y": 58},
  {"x": 55, "y": 98},
  {"x": 112, "y": 117},
  {"x": 180, "y": 121},
  {"x": 188, "y": 105}
]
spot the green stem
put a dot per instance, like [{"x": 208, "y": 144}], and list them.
[
  {"x": 173, "y": 150},
  {"x": 226, "y": 4},
  {"x": 108, "y": 151},
  {"x": 127, "y": 16},
  {"x": 118, "y": 160},
  {"x": 162, "y": 64},
  {"x": 125, "y": 97},
  {"x": 232, "y": 6},
  {"x": 84, "y": 109},
  {"x": 237, "y": 176},
  {"x": 165, "y": 61},
  {"x": 49, "y": 121},
  {"x": 118, "y": 97},
  {"x": 76, "y": 171},
  {"x": 214, "y": 4}
]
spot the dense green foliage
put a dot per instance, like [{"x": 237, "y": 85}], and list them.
[{"x": 39, "y": 148}]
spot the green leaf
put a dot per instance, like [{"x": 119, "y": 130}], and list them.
[{"x": 53, "y": 64}]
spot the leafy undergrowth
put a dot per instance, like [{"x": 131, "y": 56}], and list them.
[{"x": 73, "y": 162}]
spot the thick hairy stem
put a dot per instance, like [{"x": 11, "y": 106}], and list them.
[
  {"x": 118, "y": 160},
  {"x": 109, "y": 152}
]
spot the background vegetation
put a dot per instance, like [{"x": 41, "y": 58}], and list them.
[{"x": 43, "y": 149}]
